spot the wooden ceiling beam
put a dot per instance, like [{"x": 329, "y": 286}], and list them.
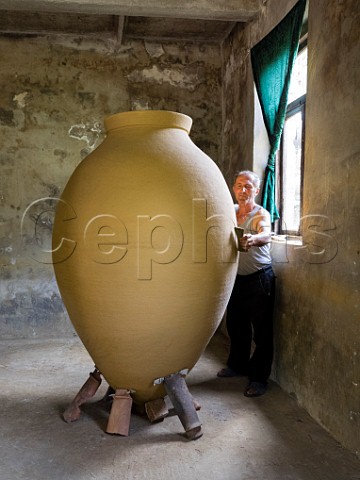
[{"x": 227, "y": 10}]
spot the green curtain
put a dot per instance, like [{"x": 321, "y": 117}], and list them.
[{"x": 272, "y": 62}]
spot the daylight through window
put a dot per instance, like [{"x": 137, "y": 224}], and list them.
[{"x": 291, "y": 155}]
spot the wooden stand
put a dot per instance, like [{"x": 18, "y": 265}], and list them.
[
  {"x": 156, "y": 410},
  {"x": 119, "y": 419},
  {"x": 184, "y": 405},
  {"x": 87, "y": 391},
  {"x": 121, "y": 402}
]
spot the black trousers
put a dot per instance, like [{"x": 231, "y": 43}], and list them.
[{"x": 250, "y": 317}]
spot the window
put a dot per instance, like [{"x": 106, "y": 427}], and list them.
[{"x": 290, "y": 158}]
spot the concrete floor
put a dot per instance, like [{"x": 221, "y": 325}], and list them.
[{"x": 268, "y": 437}]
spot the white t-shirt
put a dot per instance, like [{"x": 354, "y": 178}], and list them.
[{"x": 257, "y": 257}]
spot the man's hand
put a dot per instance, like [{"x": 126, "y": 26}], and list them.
[{"x": 246, "y": 242}]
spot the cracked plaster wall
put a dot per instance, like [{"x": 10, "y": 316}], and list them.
[{"x": 54, "y": 95}]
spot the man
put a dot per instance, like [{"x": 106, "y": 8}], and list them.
[{"x": 250, "y": 308}]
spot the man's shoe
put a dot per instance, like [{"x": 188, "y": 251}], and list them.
[{"x": 255, "y": 389}]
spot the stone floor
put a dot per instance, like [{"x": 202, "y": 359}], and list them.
[{"x": 269, "y": 437}]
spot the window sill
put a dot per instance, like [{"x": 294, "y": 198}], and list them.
[{"x": 288, "y": 239}]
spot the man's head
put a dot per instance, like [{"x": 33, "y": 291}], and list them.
[{"x": 246, "y": 186}]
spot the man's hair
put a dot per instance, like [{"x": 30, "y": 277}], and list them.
[{"x": 255, "y": 178}]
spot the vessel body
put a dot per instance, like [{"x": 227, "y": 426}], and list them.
[{"x": 144, "y": 251}]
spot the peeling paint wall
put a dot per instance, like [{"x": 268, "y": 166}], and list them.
[
  {"x": 54, "y": 95},
  {"x": 237, "y": 138}
]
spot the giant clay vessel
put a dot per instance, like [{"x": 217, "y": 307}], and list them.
[{"x": 145, "y": 258}]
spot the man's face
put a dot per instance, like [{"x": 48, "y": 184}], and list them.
[{"x": 244, "y": 189}]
